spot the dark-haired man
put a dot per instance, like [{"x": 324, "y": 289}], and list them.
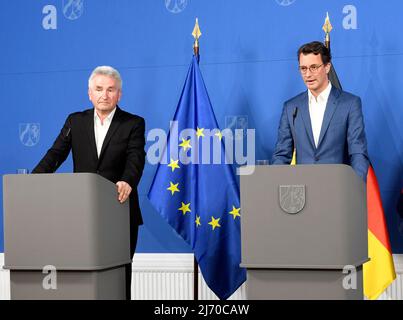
[{"x": 324, "y": 124}]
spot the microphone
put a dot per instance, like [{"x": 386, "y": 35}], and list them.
[
  {"x": 67, "y": 133},
  {"x": 294, "y": 136}
]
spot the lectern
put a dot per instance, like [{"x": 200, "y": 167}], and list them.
[
  {"x": 65, "y": 237},
  {"x": 304, "y": 231}
]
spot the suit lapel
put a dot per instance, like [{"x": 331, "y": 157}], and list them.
[
  {"x": 329, "y": 111},
  {"x": 307, "y": 118},
  {"x": 112, "y": 129},
  {"x": 91, "y": 133}
]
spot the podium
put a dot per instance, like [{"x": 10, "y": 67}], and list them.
[
  {"x": 66, "y": 236},
  {"x": 304, "y": 231}
]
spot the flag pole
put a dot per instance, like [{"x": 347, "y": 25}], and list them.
[
  {"x": 196, "y": 35},
  {"x": 333, "y": 78},
  {"x": 327, "y": 27},
  {"x": 195, "y": 278}
]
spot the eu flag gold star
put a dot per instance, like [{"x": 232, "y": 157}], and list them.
[
  {"x": 198, "y": 221},
  {"x": 235, "y": 212},
  {"x": 199, "y": 132},
  {"x": 173, "y": 187},
  {"x": 173, "y": 164},
  {"x": 185, "y": 144},
  {"x": 214, "y": 222},
  {"x": 184, "y": 208},
  {"x": 218, "y": 134}
]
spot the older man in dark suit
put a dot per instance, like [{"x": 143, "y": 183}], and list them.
[{"x": 104, "y": 140}]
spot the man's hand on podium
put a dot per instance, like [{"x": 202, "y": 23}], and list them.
[{"x": 124, "y": 190}]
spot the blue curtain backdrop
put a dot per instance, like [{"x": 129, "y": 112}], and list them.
[{"x": 248, "y": 61}]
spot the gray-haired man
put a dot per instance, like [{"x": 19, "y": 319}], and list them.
[{"x": 105, "y": 140}]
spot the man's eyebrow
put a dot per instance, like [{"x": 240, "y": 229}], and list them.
[{"x": 108, "y": 88}]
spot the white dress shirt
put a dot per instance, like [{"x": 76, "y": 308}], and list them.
[
  {"x": 101, "y": 130},
  {"x": 317, "y": 107}
]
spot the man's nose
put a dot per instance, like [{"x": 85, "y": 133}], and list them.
[
  {"x": 308, "y": 76},
  {"x": 104, "y": 94}
]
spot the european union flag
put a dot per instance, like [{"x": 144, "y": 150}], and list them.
[{"x": 196, "y": 191}]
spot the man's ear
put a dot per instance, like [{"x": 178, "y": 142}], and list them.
[{"x": 328, "y": 66}]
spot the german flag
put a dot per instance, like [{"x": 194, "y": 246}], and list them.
[{"x": 379, "y": 272}]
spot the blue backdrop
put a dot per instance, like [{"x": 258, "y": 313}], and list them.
[{"x": 248, "y": 60}]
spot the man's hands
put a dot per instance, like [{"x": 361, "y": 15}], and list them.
[{"x": 124, "y": 190}]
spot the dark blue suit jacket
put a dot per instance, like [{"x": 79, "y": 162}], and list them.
[{"x": 342, "y": 136}]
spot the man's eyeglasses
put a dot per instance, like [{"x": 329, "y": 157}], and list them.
[{"x": 313, "y": 68}]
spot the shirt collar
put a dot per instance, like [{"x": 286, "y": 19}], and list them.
[
  {"x": 108, "y": 117},
  {"x": 323, "y": 96}
]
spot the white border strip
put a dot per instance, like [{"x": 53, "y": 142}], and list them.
[
  {"x": 162, "y": 262},
  {"x": 157, "y": 263}
]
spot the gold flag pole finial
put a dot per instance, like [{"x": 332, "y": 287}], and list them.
[
  {"x": 327, "y": 27},
  {"x": 196, "y": 34}
]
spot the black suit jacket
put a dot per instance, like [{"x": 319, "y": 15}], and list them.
[{"x": 122, "y": 157}]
